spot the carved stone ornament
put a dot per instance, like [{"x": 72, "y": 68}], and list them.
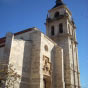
[{"x": 46, "y": 66}]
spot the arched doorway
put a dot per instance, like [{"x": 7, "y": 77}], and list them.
[
  {"x": 44, "y": 83},
  {"x": 47, "y": 82}
]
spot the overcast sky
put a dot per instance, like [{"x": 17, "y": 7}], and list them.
[{"x": 16, "y": 15}]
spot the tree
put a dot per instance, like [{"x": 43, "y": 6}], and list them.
[{"x": 8, "y": 76}]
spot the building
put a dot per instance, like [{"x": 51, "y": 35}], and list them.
[{"x": 45, "y": 61}]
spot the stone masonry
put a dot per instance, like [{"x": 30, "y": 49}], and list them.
[{"x": 45, "y": 61}]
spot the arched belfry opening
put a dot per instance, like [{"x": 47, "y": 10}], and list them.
[
  {"x": 52, "y": 31},
  {"x": 57, "y": 14},
  {"x": 60, "y": 28}
]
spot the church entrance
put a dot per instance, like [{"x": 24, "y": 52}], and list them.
[
  {"x": 44, "y": 83},
  {"x": 47, "y": 82}
]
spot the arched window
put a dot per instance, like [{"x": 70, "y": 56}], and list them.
[
  {"x": 69, "y": 29},
  {"x": 52, "y": 30},
  {"x": 60, "y": 28},
  {"x": 57, "y": 14}
]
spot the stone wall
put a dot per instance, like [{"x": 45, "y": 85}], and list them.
[
  {"x": 25, "y": 57},
  {"x": 55, "y": 55},
  {"x": 35, "y": 62},
  {"x": 20, "y": 56},
  {"x": 58, "y": 68},
  {"x": 47, "y": 46},
  {"x": 1, "y": 53},
  {"x": 30, "y": 52}
]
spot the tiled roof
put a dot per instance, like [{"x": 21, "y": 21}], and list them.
[{"x": 21, "y": 32}]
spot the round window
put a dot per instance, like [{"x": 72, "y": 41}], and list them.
[{"x": 46, "y": 48}]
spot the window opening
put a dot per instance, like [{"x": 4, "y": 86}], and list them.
[
  {"x": 60, "y": 28},
  {"x": 57, "y": 14},
  {"x": 52, "y": 30}
]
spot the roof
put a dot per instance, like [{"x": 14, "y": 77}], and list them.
[
  {"x": 3, "y": 39},
  {"x": 24, "y": 31},
  {"x": 58, "y": 3}
]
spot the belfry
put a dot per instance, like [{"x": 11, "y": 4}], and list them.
[{"x": 61, "y": 29}]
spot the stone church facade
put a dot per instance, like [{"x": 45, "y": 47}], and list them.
[{"x": 45, "y": 61}]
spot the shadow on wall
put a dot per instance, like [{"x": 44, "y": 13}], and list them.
[
  {"x": 53, "y": 64},
  {"x": 26, "y": 69},
  {"x": 57, "y": 68}
]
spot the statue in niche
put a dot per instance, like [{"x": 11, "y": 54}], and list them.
[{"x": 46, "y": 66}]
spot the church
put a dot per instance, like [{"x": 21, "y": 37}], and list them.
[{"x": 45, "y": 61}]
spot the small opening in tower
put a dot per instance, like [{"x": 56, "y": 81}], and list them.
[
  {"x": 60, "y": 28},
  {"x": 52, "y": 30},
  {"x": 57, "y": 14},
  {"x": 69, "y": 29}
]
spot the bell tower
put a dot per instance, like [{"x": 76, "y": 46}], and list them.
[{"x": 61, "y": 28}]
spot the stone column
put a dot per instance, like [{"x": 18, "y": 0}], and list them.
[
  {"x": 9, "y": 37},
  {"x": 78, "y": 73},
  {"x": 73, "y": 63},
  {"x": 58, "y": 69},
  {"x": 35, "y": 79}
]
